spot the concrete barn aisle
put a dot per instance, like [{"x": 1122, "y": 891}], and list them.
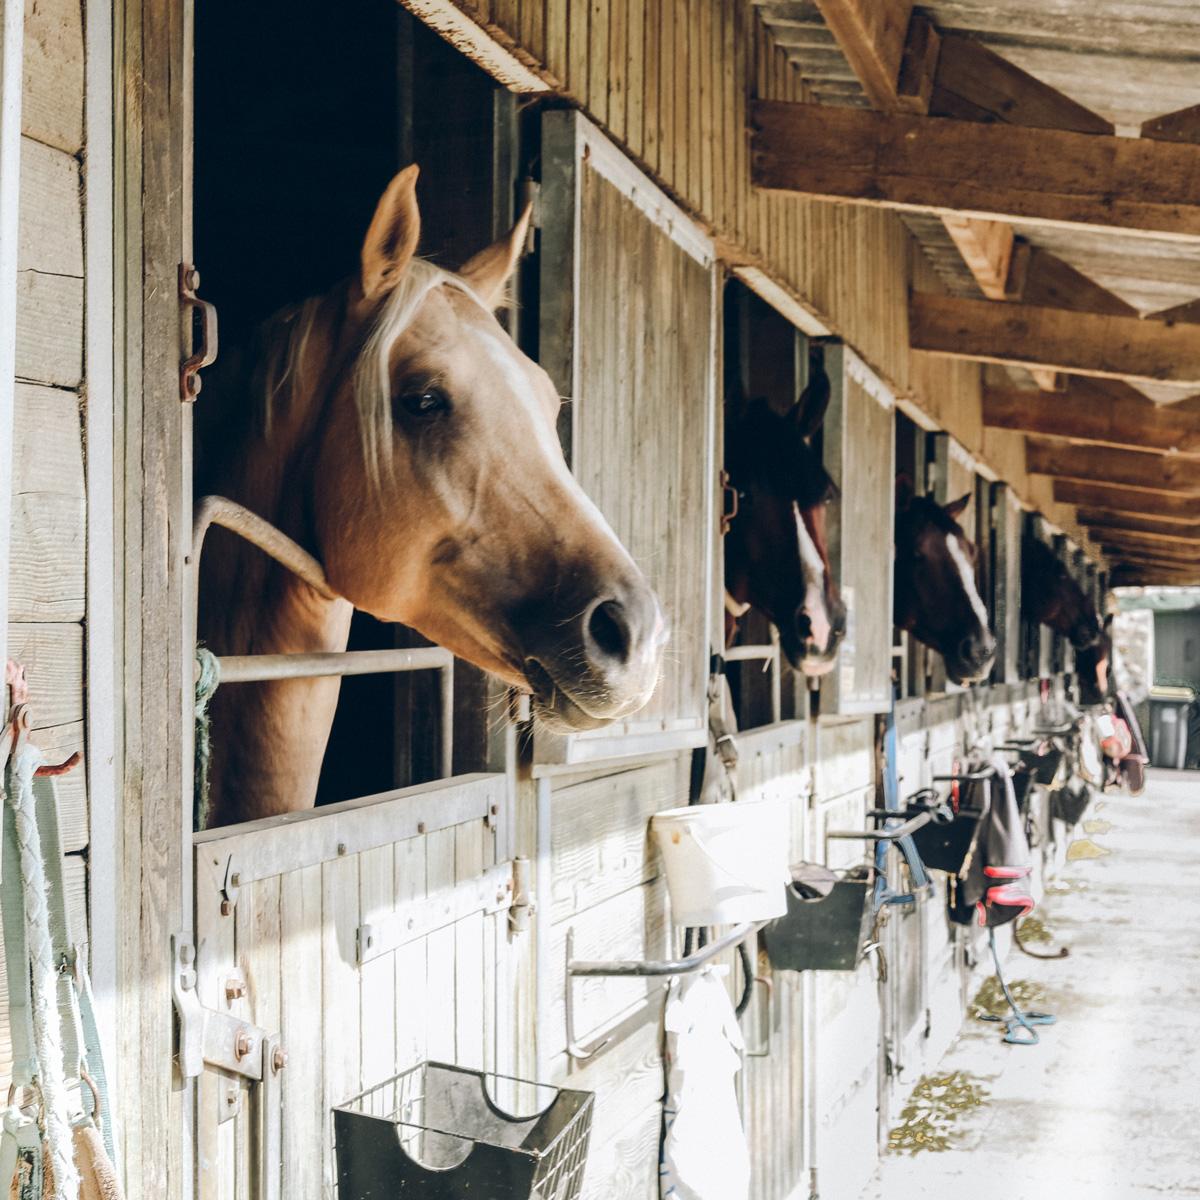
[{"x": 1107, "y": 1107}]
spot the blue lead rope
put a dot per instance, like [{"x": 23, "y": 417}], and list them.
[
  {"x": 1019, "y": 1019},
  {"x": 919, "y": 877}
]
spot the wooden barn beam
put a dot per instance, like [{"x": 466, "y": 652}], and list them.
[
  {"x": 1132, "y": 552},
  {"x": 1188, "y": 313},
  {"x": 1058, "y": 339},
  {"x": 1103, "y": 411},
  {"x": 1049, "y": 282},
  {"x": 987, "y": 247},
  {"x": 872, "y": 35},
  {"x": 932, "y": 164},
  {"x": 1125, "y": 468},
  {"x": 1183, "y": 125},
  {"x": 1137, "y": 522},
  {"x": 1188, "y": 541},
  {"x": 1127, "y": 500},
  {"x": 974, "y": 83}
]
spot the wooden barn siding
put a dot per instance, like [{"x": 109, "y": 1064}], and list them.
[
  {"x": 46, "y": 578},
  {"x": 669, "y": 80}
]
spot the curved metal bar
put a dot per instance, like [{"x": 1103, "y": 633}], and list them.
[
  {"x": 254, "y": 668},
  {"x": 967, "y": 777},
  {"x": 919, "y": 821},
  {"x": 219, "y": 510}
]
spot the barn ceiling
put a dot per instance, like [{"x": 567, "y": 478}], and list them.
[{"x": 1129, "y": 64}]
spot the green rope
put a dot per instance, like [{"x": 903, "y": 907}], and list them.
[{"x": 208, "y": 678}]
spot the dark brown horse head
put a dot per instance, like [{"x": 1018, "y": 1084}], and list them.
[
  {"x": 1050, "y": 596},
  {"x": 776, "y": 558},
  {"x": 1091, "y": 667},
  {"x": 936, "y": 598}
]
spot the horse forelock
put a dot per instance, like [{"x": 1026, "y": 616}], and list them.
[{"x": 372, "y": 369}]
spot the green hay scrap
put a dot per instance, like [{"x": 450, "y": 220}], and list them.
[
  {"x": 1033, "y": 931},
  {"x": 990, "y": 1002},
  {"x": 927, "y": 1121},
  {"x": 1085, "y": 848}
]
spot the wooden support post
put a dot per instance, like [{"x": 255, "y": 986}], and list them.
[{"x": 12, "y": 38}]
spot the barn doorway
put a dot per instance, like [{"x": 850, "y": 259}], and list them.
[{"x": 303, "y": 113}]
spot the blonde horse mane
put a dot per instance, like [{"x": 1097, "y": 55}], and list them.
[{"x": 283, "y": 364}]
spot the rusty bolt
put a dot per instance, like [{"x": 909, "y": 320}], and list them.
[
  {"x": 227, "y": 908},
  {"x": 242, "y": 1045},
  {"x": 420, "y": 826},
  {"x": 191, "y": 279},
  {"x": 495, "y": 809},
  {"x": 235, "y": 880},
  {"x": 232, "y": 1097},
  {"x": 235, "y": 989},
  {"x": 341, "y": 849},
  {"x": 279, "y": 1059}
]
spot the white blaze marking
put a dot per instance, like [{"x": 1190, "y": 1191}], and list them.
[
  {"x": 813, "y": 570},
  {"x": 516, "y": 381},
  {"x": 963, "y": 563}
]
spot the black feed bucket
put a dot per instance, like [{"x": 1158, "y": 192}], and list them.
[
  {"x": 944, "y": 847},
  {"x": 438, "y": 1132},
  {"x": 826, "y": 933}
]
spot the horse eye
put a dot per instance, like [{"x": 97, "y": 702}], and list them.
[{"x": 423, "y": 404}]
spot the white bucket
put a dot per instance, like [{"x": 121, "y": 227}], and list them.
[{"x": 725, "y": 863}]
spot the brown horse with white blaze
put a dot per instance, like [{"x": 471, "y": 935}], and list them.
[
  {"x": 936, "y": 597},
  {"x": 395, "y": 431},
  {"x": 776, "y": 555}
]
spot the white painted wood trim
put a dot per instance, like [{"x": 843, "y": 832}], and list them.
[
  {"x": 477, "y": 43},
  {"x": 860, "y": 373},
  {"x": 12, "y": 49},
  {"x": 614, "y": 165},
  {"x": 101, "y": 656},
  {"x": 783, "y": 301}
]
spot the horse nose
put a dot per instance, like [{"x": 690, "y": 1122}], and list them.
[
  {"x": 977, "y": 648},
  {"x": 622, "y": 630}
]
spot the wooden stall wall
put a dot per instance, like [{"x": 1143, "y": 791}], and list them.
[
  {"x": 47, "y": 566},
  {"x": 670, "y": 81}
]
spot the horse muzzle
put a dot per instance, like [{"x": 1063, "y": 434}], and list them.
[
  {"x": 971, "y": 660},
  {"x": 808, "y": 654},
  {"x": 601, "y": 666}
]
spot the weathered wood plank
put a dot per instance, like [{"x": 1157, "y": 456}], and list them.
[
  {"x": 1137, "y": 522},
  {"x": 987, "y": 249},
  {"x": 46, "y": 581},
  {"x": 377, "y": 898},
  {"x": 1103, "y": 464},
  {"x": 1049, "y": 282},
  {"x": 1183, "y": 125},
  {"x": 51, "y": 211},
  {"x": 52, "y": 100},
  {"x": 49, "y": 329},
  {"x": 286, "y": 843},
  {"x": 1076, "y": 342},
  {"x": 53, "y": 658},
  {"x": 930, "y": 164}
]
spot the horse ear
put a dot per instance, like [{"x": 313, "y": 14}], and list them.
[
  {"x": 956, "y": 508},
  {"x": 809, "y": 411},
  {"x": 488, "y": 271},
  {"x": 391, "y": 240},
  {"x": 904, "y": 492}
]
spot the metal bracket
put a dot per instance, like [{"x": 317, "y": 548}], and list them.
[
  {"x": 207, "y": 1036},
  {"x": 524, "y": 903},
  {"x": 230, "y": 889},
  {"x": 206, "y": 354}
]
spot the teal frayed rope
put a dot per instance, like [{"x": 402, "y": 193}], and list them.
[{"x": 208, "y": 679}]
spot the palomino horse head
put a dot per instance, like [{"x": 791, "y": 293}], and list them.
[
  {"x": 936, "y": 598},
  {"x": 434, "y": 488},
  {"x": 776, "y": 558},
  {"x": 1050, "y": 596}
]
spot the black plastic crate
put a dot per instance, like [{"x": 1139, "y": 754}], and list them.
[
  {"x": 826, "y": 933},
  {"x": 441, "y": 1132}
]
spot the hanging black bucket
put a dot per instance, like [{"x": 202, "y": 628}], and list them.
[
  {"x": 822, "y": 933},
  {"x": 1042, "y": 768},
  {"x": 438, "y": 1132}
]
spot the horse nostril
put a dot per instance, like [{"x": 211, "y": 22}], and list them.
[
  {"x": 608, "y": 632},
  {"x": 804, "y": 625}
]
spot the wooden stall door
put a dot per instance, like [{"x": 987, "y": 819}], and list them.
[
  {"x": 627, "y": 332},
  {"x": 367, "y": 936},
  {"x": 859, "y": 445}
]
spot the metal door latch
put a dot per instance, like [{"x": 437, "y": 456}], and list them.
[
  {"x": 205, "y": 354},
  {"x": 210, "y": 1037}
]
